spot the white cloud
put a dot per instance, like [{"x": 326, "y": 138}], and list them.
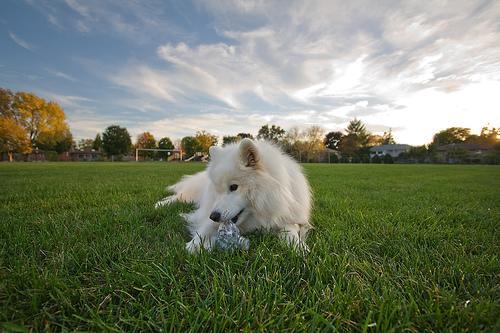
[
  {"x": 82, "y": 27},
  {"x": 68, "y": 101},
  {"x": 414, "y": 66},
  {"x": 54, "y": 21},
  {"x": 136, "y": 21},
  {"x": 61, "y": 75},
  {"x": 146, "y": 81},
  {"x": 78, "y": 7},
  {"x": 22, "y": 43}
]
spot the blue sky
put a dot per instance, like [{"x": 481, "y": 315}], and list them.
[{"x": 175, "y": 67}]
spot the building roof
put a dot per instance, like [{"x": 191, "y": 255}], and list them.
[{"x": 396, "y": 146}]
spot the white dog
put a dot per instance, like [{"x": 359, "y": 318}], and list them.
[{"x": 252, "y": 184}]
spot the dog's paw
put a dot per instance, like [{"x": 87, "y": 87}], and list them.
[
  {"x": 193, "y": 246},
  {"x": 165, "y": 202},
  {"x": 297, "y": 244},
  {"x": 301, "y": 247}
]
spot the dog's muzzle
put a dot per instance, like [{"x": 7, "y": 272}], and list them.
[{"x": 235, "y": 218}]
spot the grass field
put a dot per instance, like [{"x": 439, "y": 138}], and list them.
[{"x": 395, "y": 248}]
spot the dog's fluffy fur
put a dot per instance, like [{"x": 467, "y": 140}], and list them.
[{"x": 272, "y": 194}]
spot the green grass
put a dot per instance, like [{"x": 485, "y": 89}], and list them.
[{"x": 395, "y": 248}]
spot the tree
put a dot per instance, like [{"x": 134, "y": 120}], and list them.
[
  {"x": 314, "y": 140},
  {"x": 64, "y": 142},
  {"x": 13, "y": 137},
  {"x": 190, "y": 145},
  {"x": 31, "y": 113},
  {"x": 332, "y": 140},
  {"x": 292, "y": 141},
  {"x": 85, "y": 144},
  {"x": 205, "y": 140},
  {"x": 355, "y": 143},
  {"x": 97, "y": 143},
  {"x": 44, "y": 122},
  {"x": 6, "y": 103},
  {"x": 348, "y": 145},
  {"x": 244, "y": 135},
  {"x": 228, "y": 139},
  {"x": 450, "y": 135},
  {"x": 357, "y": 130},
  {"x": 165, "y": 143},
  {"x": 490, "y": 135},
  {"x": 146, "y": 140},
  {"x": 487, "y": 136},
  {"x": 375, "y": 140},
  {"x": 274, "y": 133},
  {"x": 387, "y": 138},
  {"x": 116, "y": 141}
]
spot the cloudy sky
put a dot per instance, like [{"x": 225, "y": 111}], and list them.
[{"x": 175, "y": 67}]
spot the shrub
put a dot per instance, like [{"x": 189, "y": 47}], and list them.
[
  {"x": 334, "y": 158},
  {"x": 388, "y": 159},
  {"x": 344, "y": 159},
  {"x": 51, "y": 155}
]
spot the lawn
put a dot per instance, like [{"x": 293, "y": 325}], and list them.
[{"x": 395, "y": 248}]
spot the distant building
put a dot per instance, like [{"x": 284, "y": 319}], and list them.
[
  {"x": 35, "y": 155},
  {"x": 85, "y": 155},
  {"x": 463, "y": 152},
  {"x": 393, "y": 149}
]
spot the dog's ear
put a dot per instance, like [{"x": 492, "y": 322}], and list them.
[
  {"x": 249, "y": 154},
  {"x": 213, "y": 151}
]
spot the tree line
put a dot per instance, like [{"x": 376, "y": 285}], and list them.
[{"x": 29, "y": 122}]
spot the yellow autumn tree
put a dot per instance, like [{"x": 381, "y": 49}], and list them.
[
  {"x": 146, "y": 140},
  {"x": 13, "y": 137},
  {"x": 28, "y": 121},
  {"x": 44, "y": 122},
  {"x": 53, "y": 130},
  {"x": 205, "y": 140},
  {"x": 313, "y": 139},
  {"x": 30, "y": 113}
]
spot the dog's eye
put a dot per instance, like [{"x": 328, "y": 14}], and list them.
[{"x": 233, "y": 187}]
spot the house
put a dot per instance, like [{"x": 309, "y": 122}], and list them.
[
  {"x": 85, "y": 155},
  {"x": 463, "y": 152},
  {"x": 35, "y": 155},
  {"x": 392, "y": 149}
]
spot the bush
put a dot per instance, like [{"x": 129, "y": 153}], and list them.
[
  {"x": 51, "y": 155},
  {"x": 376, "y": 159},
  {"x": 344, "y": 159},
  {"x": 493, "y": 156},
  {"x": 388, "y": 159},
  {"x": 334, "y": 158}
]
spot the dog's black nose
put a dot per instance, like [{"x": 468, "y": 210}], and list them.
[{"x": 215, "y": 216}]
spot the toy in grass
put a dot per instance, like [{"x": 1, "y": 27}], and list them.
[{"x": 229, "y": 237}]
